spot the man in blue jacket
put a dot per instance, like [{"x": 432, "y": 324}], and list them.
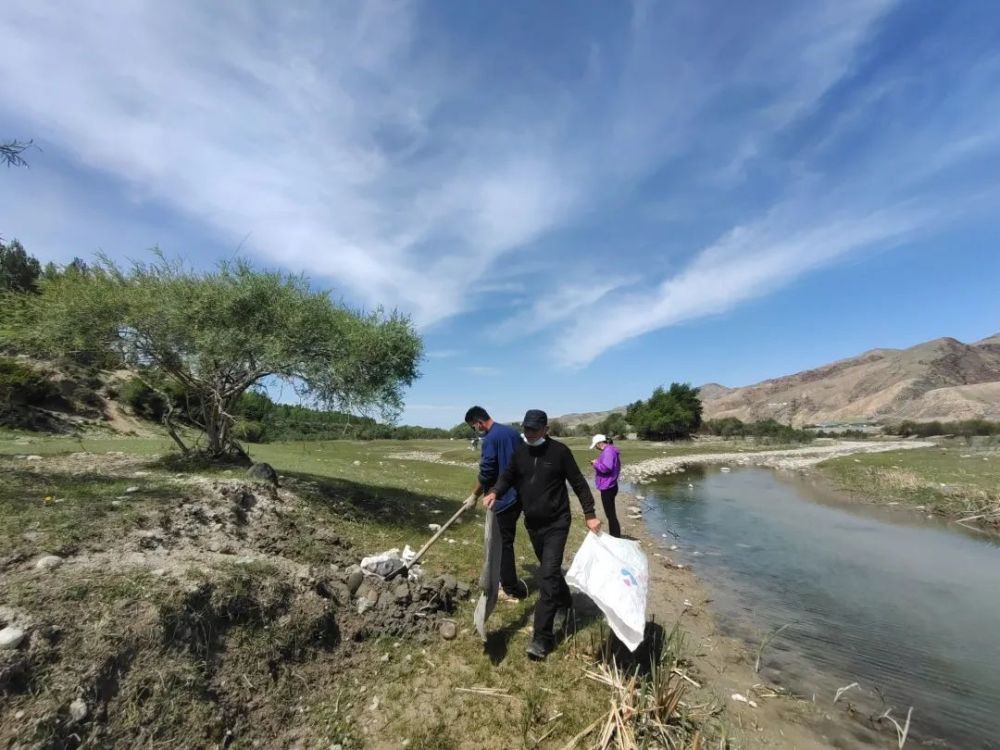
[{"x": 498, "y": 445}]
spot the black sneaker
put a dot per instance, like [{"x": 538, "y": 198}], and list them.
[{"x": 537, "y": 651}]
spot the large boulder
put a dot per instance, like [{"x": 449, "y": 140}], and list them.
[{"x": 263, "y": 473}]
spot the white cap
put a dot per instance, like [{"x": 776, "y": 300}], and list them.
[{"x": 598, "y": 439}]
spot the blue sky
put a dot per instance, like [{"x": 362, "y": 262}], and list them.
[{"x": 575, "y": 202}]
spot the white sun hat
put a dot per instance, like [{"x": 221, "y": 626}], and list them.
[{"x": 598, "y": 439}]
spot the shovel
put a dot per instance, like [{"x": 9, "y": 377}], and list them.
[{"x": 405, "y": 567}]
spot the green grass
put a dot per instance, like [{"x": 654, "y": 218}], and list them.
[
  {"x": 365, "y": 493},
  {"x": 952, "y": 479}
]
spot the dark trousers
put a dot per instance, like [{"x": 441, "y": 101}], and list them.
[
  {"x": 507, "y": 521},
  {"x": 550, "y": 544},
  {"x": 608, "y": 500}
]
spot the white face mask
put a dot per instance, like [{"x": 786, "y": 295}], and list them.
[{"x": 533, "y": 443}]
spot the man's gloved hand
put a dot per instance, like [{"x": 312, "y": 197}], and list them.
[{"x": 469, "y": 502}]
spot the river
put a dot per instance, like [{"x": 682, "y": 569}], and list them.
[{"x": 907, "y": 607}]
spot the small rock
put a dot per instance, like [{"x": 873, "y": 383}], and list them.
[
  {"x": 434, "y": 526},
  {"x": 357, "y": 463},
  {"x": 131, "y": 490},
  {"x": 48, "y": 562},
  {"x": 78, "y": 709},
  {"x": 463, "y": 590},
  {"x": 401, "y": 593},
  {"x": 725, "y": 469},
  {"x": 19, "y": 715},
  {"x": 11, "y": 637},
  {"x": 354, "y": 580},
  {"x": 448, "y": 630}
]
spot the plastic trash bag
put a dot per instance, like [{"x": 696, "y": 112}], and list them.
[
  {"x": 387, "y": 562},
  {"x": 614, "y": 573}
]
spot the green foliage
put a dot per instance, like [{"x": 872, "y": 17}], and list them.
[
  {"x": 462, "y": 431},
  {"x": 727, "y": 427},
  {"x": 152, "y": 403},
  {"x": 21, "y": 384},
  {"x": 218, "y": 334},
  {"x": 19, "y": 272},
  {"x": 250, "y": 431},
  {"x": 558, "y": 429},
  {"x": 672, "y": 414},
  {"x": 614, "y": 425},
  {"x": 767, "y": 430},
  {"x": 965, "y": 428},
  {"x": 584, "y": 430}
]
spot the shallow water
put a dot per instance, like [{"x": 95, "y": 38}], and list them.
[{"x": 906, "y": 607}]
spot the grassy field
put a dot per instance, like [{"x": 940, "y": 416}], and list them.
[
  {"x": 79, "y": 498},
  {"x": 955, "y": 479}
]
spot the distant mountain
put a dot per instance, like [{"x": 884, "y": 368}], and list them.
[{"x": 942, "y": 379}]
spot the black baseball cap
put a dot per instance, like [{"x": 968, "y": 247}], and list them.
[{"x": 535, "y": 419}]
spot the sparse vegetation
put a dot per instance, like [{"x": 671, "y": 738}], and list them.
[
  {"x": 964, "y": 428},
  {"x": 765, "y": 431},
  {"x": 952, "y": 480}
]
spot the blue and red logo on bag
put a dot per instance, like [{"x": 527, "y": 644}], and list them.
[{"x": 627, "y": 578}]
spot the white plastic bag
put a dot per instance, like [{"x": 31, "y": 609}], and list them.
[{"x": 614, "y": 573}]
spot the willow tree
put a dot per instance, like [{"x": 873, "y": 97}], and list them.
[{"x": 218, "y": 334}]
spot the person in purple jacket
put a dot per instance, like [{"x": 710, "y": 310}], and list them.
[{"x": 607, "y": 467}]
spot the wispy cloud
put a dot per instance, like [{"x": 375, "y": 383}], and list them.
[
  {"x": 378, "y": 146},
  {"x": 315, "y": 131}
]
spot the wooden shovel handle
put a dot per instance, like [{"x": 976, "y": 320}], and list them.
[{"x": 437, "y": 535}]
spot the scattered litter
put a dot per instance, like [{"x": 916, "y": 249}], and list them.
[
  {"x": 11, "y": 637},
  {"x": 48, "y": 562},
  {"x": 387, "y": 562},
  {"x": 131, "y": 490},
  {"x": 357, "y": 463},
  {"x": 434, "y": 526},
  {"x": 78, "y": 710},
  {"x": 841, "y": 691},
  {"x": 743, "y": 699},
  {"x": 687, "y": 603},
  {"x": 725, "y": 469}
]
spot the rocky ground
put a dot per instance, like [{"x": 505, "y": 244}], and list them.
[
  {"x": 197, "y": 626},
  {"x": 794, "y": 458}
]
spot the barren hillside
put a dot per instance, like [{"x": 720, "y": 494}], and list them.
[{"x": 941, "y": 379}]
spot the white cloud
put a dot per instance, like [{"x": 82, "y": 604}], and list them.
[
  {"x": 748, "y": 262},
  {"x": 308, "y": 129},
  {"x": 344, "y": 144}
]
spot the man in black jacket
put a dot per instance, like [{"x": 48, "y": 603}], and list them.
[{"x": 539, "y": 471}]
